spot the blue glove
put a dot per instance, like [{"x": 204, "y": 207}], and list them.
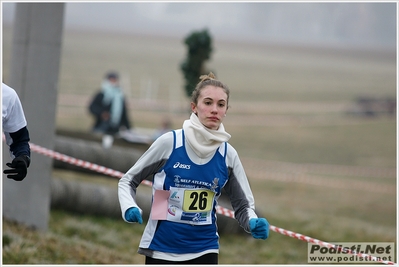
[
  {"x": 259, "y": 228},
  {"x": 133, "y": 215}
]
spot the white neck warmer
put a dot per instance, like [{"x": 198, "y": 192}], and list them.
[{"x": 202, "y": 140}]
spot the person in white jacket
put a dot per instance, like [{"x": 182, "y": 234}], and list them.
[
  {"x": 189, "y": 168},
  {"x": 16, "y": 134}
]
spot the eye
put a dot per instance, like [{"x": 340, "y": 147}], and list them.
[
  {"x": 208, "y": 103},
  {"x": 222, "y": 104}
]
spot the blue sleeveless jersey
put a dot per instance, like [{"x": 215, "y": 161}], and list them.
[{"x": 180, "y": 172}]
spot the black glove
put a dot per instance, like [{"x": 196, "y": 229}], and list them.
[{"x": 19, "y": 168}]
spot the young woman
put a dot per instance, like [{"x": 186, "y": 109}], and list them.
[{"x": 190, "y": 166}]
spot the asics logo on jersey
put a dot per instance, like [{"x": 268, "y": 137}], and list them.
[{"x": 181, "y": 166}]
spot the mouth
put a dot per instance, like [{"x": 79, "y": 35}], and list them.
[{"x": 213, "y": 118}]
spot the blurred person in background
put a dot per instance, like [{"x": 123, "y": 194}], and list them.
[
  {"x": 166, "y": 126},
  {"x": 109, "y": 110},
  {"x": 16, "y": 134},
  {"x": 189, "y": 168}
]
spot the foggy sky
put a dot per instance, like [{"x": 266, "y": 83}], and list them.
[{"x": 364, "y": 24}]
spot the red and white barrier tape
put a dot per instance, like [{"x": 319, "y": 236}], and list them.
[
  {"x": 80, "y": 163},
  {"x": 219, "y": 209}
]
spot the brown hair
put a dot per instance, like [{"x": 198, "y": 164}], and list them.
[{"x": 206, "y": 80}]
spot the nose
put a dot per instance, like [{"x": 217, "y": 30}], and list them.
[{"x": 214, "y": 109}]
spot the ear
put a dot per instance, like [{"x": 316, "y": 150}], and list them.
[
  {"x": 227, "y": 108},
  {"x": 193, "y": 107}
]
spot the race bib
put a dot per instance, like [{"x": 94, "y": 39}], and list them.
[{"x": 192, "y": 206}]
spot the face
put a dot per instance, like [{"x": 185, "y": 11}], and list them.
[
  {"x": 211, "y": 107},
  {"x": 113, "y": 81}
]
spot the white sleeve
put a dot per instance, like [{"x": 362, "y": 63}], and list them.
[
  {"x": 12, "y": 111},
  {"x": 239, "y": 190},
  {"x": 146, "y": 166}
]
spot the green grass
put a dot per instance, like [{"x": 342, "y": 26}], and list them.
[
  {"x": 81, "y": 239},
  {"x": 288, "y": 113},
  {"x": 72, "y": 239}
]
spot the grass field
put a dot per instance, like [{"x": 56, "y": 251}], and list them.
[{"x": 313, "y": 168}]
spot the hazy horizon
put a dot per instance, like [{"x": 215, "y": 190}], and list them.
[{"x": 344, "y": 24}]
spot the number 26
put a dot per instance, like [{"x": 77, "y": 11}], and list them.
[{"x": 200, "y": 201}]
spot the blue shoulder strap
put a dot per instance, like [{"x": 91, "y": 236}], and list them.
[
  {"x": 178, "y": 138},
  {"x": 174, "y": 139}
]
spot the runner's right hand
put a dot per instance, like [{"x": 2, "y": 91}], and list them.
[{"x": 133, "y": 215}]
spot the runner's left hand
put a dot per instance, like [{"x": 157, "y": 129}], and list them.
[{"x": 259, "y": 228}]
